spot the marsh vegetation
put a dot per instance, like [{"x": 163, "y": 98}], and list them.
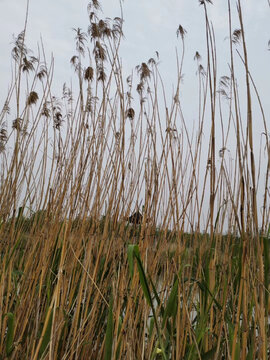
[{"x": 190, "y": 280}]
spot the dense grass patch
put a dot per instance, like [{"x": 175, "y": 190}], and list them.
[{"x": 78, "y": 280}]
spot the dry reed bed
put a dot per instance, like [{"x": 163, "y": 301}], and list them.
[{"x": 78, "y": 281}]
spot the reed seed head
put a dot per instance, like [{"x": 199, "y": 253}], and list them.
[
  {"x": 89, "y": 73},
  {"x": 32, "y": 98}
]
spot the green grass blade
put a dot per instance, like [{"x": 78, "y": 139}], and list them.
[
  {"x": 132, "y": 249},
  {"x": 109, "y": 333},
  {"x": 171, "y": 307},
  {"x": 47, "y": 335},
  {"x": 151, "y": 327},
  {"x": 250, "y": 354},
  {"x": 157, "y": 296},
  {"x": 144, "y": 282},
  {"x": 147, "y": 294},
  {"x": 119, "y": 336}
]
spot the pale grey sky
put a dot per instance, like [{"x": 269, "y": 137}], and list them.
[{"x": 150, "y": 25}]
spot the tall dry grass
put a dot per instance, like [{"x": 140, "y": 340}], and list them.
[{"x": 77, "y": 280}]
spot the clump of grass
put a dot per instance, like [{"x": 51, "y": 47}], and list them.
[{"x": 190, "y": 280}]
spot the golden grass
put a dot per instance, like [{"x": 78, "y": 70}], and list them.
[{"x": 76, "y": 280}]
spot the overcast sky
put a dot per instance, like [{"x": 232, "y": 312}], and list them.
[{"x": 150, "y": 25}]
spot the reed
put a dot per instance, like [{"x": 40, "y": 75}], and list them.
[{"x": 190, "y": 279}]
